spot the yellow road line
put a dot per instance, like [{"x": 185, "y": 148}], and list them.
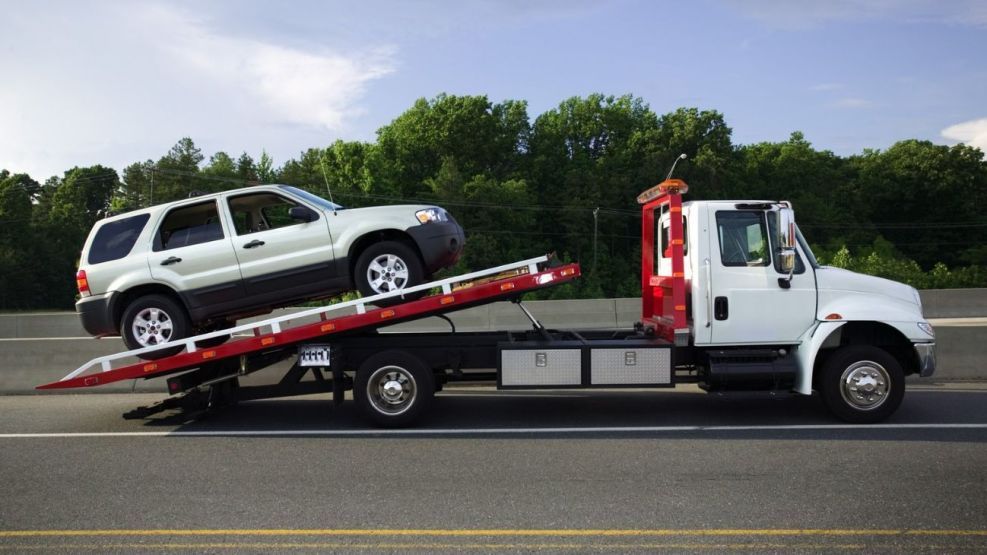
[
  {"x": 495, "y": 532},
  {"x": 439, "y": 546}
]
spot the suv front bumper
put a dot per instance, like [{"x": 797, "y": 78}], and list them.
[
  {"x": 441, "y": 243},
  {"x": 94, "y": 312},
  {"x": 926, "y": 358}
]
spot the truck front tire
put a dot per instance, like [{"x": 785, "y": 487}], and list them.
[
  {"x": 393, "y": 388},
  {"x": 862, "y": 384}
]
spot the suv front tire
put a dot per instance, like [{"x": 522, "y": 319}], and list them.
[{"x": 388, "y": 266}]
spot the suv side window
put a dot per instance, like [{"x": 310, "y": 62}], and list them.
[
  {"x": 115, "y": 240},
  {"x": 743, "y": 238},
  {"x": 189, "y": 225},
  {"x": 260, "y": 211}
]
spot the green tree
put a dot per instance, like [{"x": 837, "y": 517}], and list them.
[
  {"x": 18, "y": 267},
  {"x": 481, "y": 137},
  {"x": 265, "y": 168},
  {"x": 175, "y": 175},
  {"x": 926, "y": 199}
]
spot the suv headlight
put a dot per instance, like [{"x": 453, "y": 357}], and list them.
[
  {"x": 432, "y": 215},
  {"x": 927, "y": 328}
]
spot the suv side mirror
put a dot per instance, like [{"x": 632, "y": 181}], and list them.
[
  {"x": 302, "y": 213},
  {"x": 786, "y": 244}
]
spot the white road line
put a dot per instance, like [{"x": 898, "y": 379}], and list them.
[
  {"x": 87, "y": 338},
  {"x": 497, "y": 431}
]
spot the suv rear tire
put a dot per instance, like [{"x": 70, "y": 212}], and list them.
[
  {"x": 388, "y": 266},
  {"x": 153, "y": 320}
]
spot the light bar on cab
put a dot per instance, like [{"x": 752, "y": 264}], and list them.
[{"x": 669, "y": 186}]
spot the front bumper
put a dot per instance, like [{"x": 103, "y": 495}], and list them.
[
  {"x": 441, "y": 243},
  {"x": 94, "y": 312},
  {"x": 926, "y": 358}
]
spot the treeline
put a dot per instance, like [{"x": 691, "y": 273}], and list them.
[{"x": 564, "y": 182}]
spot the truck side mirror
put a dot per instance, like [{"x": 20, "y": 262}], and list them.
[{"x": 786, "y": 245}]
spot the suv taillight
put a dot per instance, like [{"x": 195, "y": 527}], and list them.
[{"x": 82, "y": 283}]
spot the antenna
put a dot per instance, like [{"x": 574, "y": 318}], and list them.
[
  {"x": 681, "y": 157},
  {"x": 322, "y": 162}
]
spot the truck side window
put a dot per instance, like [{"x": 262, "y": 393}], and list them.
[
  {"x": 743, "y": 238},
  {"x": 189, "y": 225},
  {"x": 260, "y": 211},
  {"x": 664, "y": 250}
]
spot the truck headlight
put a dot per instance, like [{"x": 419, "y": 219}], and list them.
[
  {"x": 432, "y": 215},
  {"x": 927, "y": 328}
]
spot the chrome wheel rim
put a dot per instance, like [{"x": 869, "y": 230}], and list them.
[
  {"x": 392, "y": 390},
  {"x": 865, "y": 385},
  {"x": 387, "y": 273},
  {"x": 152, "y": 326}
]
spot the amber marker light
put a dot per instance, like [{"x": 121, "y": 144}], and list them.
[{"x": 667, "y": 187}]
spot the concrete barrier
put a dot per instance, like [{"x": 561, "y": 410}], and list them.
[{"x": 42, "y": 347}]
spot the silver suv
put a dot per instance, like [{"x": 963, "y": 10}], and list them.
[{"x": 167, "y": 272}]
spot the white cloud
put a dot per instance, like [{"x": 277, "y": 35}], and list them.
[
  {"x": 826, "y": 87},
  {"x": 298, "y": 87},
  {"x": 973, "y": 133},
  {"x": 788, "y": 14},
  {"x": 118, "y": 83}
]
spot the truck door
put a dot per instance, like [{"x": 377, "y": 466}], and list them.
[{"x": 749, "y": 305}]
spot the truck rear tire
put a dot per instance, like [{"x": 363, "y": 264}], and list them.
[
  {"x": 862, "y": 384},
  {"x": 393, "y": 388}
]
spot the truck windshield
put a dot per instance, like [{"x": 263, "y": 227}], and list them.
[
  {"x": 314, "y": 199},
  {"x": 805, "y": 248}
]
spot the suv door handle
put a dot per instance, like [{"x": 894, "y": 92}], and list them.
[
  {"x": 254, "y": 243},
  {"x": 170, "y": 260},
  {"x": 720, "y": 308}
]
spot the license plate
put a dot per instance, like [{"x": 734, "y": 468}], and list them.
[{"x": 313, "y": 355}]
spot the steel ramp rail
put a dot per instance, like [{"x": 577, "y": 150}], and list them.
[{"x": 456, "y": 293}]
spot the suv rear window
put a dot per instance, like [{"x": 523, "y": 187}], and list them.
[
  {"x": 114, "y": 240},
  {"x": 189, "y": 225}
]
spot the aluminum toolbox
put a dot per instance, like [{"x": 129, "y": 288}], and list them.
[{"x": 590, "y": 363}]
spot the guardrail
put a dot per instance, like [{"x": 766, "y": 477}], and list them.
[{"x": 40, "y": 347}]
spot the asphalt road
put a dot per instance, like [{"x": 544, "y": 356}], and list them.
[{"x": 622, "y": 471}]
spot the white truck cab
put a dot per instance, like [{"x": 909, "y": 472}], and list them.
[{"x": 753, "y": 286}]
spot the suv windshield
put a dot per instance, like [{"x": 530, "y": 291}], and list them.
[{"x": 323, "y": 203}]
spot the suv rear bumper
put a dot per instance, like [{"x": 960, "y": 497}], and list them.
[
  {"x": 441, "y": 243},
  {"x": 94, "y": 312}
]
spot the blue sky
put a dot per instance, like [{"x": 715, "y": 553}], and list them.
[{"x": 119, "y": 82}]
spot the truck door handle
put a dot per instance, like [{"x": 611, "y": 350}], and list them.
[
  {"x": 720, "y": 309},
  {"x": 254, "y": 243},
  {"x": 170, "y": 260}
]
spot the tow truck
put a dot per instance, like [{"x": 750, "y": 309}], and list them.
[{"x": 732, "y": 299}]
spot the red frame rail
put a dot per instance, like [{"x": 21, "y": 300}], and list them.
[
  {"x": 480, "y": 293},
  {"x": 663, "y": 298}
]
